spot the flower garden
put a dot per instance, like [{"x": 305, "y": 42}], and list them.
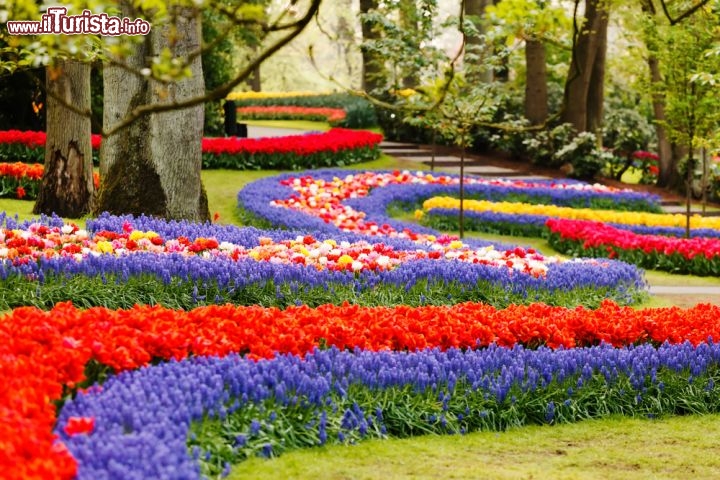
[{"x": 141, "y": 348}]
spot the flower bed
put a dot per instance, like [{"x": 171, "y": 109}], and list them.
[
  {"x": 263, "y": 95},
  {"x": 43, "y": 353},
  {"x": 329, "y": 200},
  {"x": 552, "y": 211},
  {"x": 359, "y": 113},
  {"x": 697, "y": 256},
  {"x": 181, "y": 264},
  {"x": 29, "y": 147},
  {"x": 22, "y": 181},
  {"x": 296, "y": 152},
  {"x": 333, "y": 116}
]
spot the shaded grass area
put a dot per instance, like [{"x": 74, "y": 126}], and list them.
[{"x": 670, "y": 448}]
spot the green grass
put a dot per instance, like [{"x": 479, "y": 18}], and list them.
[
  {"x": 21, "y": 208},
  {"x": 222, "y": 187},
  {"x": 614, "y": 448}
]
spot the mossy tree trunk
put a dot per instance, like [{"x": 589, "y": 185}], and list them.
[
  {"x": 67, "y": 183},
  {"x": 153, "y": 166}
]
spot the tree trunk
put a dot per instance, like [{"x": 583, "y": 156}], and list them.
[
  {"x": 67, "y": 184},
  {"x": 668, "y": 175},
  {"x": 476, "y": 10},
  {"x": 536, "y": 93},
  {"x": 153, "y": 166},
  {"x": 596, "y": 88},
  {"x": 254, "y": 82},
  {"x": 408, "y": 22},
  {"x": 373, "y": 74},
  {"x": 667, "y": 165},
  {"x": 576, "y": 107}
]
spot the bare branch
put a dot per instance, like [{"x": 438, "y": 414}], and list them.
[
  {"x": 222, "y": 90},
  {"x": 685, "y": 14}
]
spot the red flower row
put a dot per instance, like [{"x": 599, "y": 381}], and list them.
[
  {"x": 331, "y": 115},
  {"x": 597, "y": 234},
  {"x": 335, "y": 139},
  {"x": 19, "y": 170},
  {"x": 41, "y": 352},
  {"x": 35, "y": 139},
  {"x": 20, "y": 180}
]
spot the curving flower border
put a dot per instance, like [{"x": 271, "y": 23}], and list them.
[{"x": 44, "y": 352}]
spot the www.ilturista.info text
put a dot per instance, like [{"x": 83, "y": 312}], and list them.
[{"x": 57, "y": 21}]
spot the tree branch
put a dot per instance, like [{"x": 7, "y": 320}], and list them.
[
  {"x": 222, "y": 90},
  {"x": 685, "y": 14}
]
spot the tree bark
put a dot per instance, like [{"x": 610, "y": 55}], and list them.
[
  {"x": 576, "y": 107},
  {"x": 596, "y": 88},
  {"x": 536, "y": 93},
  {"x": 668, "y": 175},
  {"x": 408, "y": 22},
  {"x": 373, "y": 73},
  {"x": 153, "y": 166},
  {"x": 67, "y": 184},
  {"x": 476, "y": 9}
]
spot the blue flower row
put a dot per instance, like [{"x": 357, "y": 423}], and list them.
[
  {"x": 225, "y": 276},
  {"x": 144, "y": 418},
  {"x": 256, "y": 197}
]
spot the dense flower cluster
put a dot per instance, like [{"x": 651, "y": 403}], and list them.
[
  {"x": 605, "y": 216},
  {"x": 326, "y": 199},
  {"x": 700, "y": 256},
  {"x": 294, "y": 152},
  {"x": 330, "y": 115},
  {"x": 29, "y": 147},
  {"x": 323, "y": 149},
  {"x": 22, "y": 180},
  {"x": 42, "y": 351},
  {"x": 363, "y": 195},
  {"x": 185, "y": 264},
  {"x": 49, "y": 242},
  {"x": 344, "y": 397},
  {"x": 359, "y": 112}
]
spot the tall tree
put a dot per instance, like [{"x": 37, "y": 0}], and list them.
[
  {"x": 584, "y": 89},
  {"x": 154, "y": 96},
  {"x": 476, "y": 43},
  {"x": 536, "y": 23},
  {"x": 690, "y": 67},
  {"x": 67, "y": 185},
  {"x": 373, "y": 74},
  {"x": 153, "y": 166}
]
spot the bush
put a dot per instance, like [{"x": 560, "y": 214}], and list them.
[
  {"x": 625, "y": 132},
  {"x": 542, "y": 146},
  {"x": 583, "y": 156}
]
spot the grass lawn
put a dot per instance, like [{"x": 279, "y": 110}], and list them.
[{"x": 613, "y": 448}]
